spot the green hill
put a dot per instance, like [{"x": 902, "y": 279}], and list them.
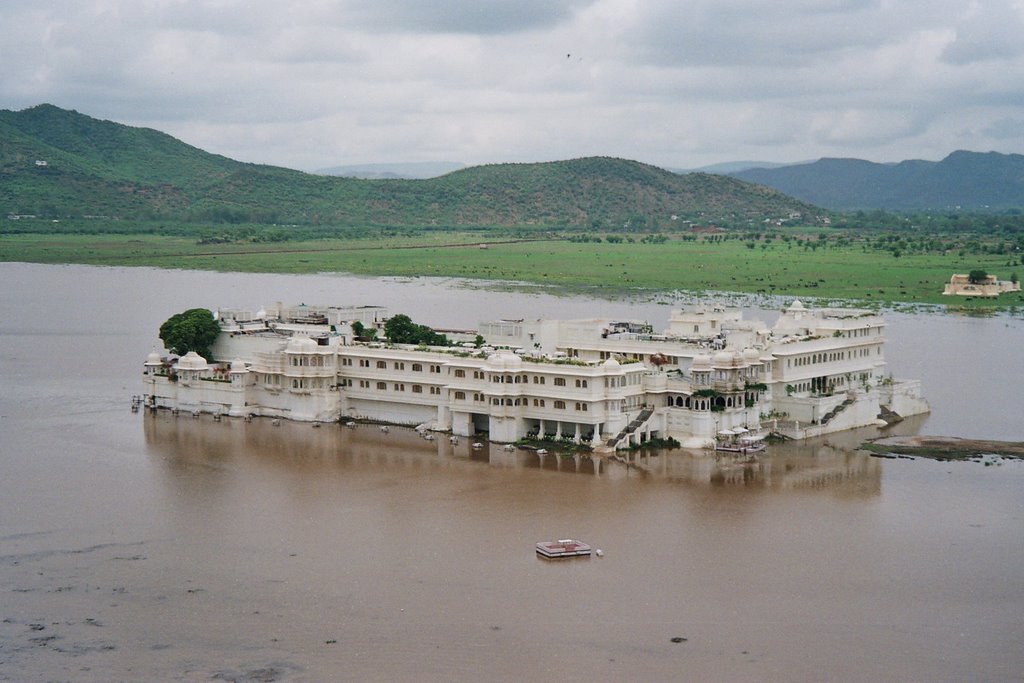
[
  {"x": 101, "y": 168},
  {"x": 969, "y": 181}
]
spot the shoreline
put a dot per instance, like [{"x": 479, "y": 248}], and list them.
[{"x": 943, "y": 447}]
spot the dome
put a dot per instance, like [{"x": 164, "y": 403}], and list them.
[
  {"x": 300, "y": 344},
  {"x": 612, "y": 365},
  {"x": 238, "y": 365},
  {"x": 192, "y": 361},
  {"x": 797, "y": 305},
  {"x": 153, "y": 358},
  {"x": 701, "y": 361},
  {"x": 723, "y": 359},
  {"x": 751, "y": 356},
  {"x": 504, "y": 360}
]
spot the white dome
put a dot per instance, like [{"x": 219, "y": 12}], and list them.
[
  {"x": 612, "y": 365},
  {"x": 751, "y": 356},
  {"x": 723, "y": 359},
  {"x": 153, "y": 358},
  {"x": 238, "y": 365},
  {"x": 192, "y": 361},
  {"x": 504, "y": 360},
  {"x": 701, "y": 361},
  {"x": 300, "y": 344},
  {"x": 797, "y": 305}
]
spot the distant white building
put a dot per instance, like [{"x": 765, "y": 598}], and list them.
[
  {"x": 608, "y": 383},
  {"x": 990, "y": 287}
]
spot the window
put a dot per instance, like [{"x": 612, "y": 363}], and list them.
[
  {"x": 399, "y": 387},
  {"x": 382, "y": 386},
  {"x": 364, "y": 384},
  {"x": 364, "y": 363},
  {"x": 417, "y": 367},
  {"x": 559, "y": 381},
  {"x": 382, "y": 364},
  {"x": 460, "y": 395},
  {"x": 559, "y": 405},
  {"x": 435, "y": 368},
  {"x": 459, "y": 372},
  {"x": 435, "y": 390},
  {"x": 581, "y": 384},
  {"x": 417, "y": 389},
  {"x": 581, "y": 407},
  {"x": 399, "y": 366}
]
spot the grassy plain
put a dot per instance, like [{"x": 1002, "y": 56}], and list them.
[{"x": 852, "y": 271}]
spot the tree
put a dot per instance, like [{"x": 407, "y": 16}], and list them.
[
  {"x": 193, "y": 330},
  {"x": 977, "y": 276},
  {"x": 400, "y": 329}
]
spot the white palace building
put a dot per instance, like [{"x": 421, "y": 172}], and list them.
[{"x": 604, "y": 382}]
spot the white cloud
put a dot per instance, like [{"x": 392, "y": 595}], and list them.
[{"x": 328, "y": 82}]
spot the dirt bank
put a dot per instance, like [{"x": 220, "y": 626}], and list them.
[{"x": 944, "y": 447}]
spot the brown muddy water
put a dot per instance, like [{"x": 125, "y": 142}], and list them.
[{"x": 136, "y": 547}]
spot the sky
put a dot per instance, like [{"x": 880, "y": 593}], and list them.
[{"x": 675, "y": 83}]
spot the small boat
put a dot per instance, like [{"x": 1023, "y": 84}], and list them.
[
  {"x": 384, "y": 428},
  {"x": 542, "y": 451},
  {"x": 739, "y": 441},
  {"x": 477, "y": 446},
  {"x": 566, "y": 547}
]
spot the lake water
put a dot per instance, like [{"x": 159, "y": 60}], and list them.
[{"x": 139, "y": 547}]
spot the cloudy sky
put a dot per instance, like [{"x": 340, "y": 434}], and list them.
[{"x": 677, "y": 83}]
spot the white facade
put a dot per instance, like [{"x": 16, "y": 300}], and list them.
[{"x": 598, "y": 381}]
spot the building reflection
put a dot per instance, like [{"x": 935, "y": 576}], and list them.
[{"x": 298, "y": 448}]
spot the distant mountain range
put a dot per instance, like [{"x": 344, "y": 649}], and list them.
[
  {"x": 967, "y": 181},
  {"x": 56, "y": 163},
  {"x": 397, "y": 171}
]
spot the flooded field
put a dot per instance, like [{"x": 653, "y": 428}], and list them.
[{"x": 149, "y": 547}]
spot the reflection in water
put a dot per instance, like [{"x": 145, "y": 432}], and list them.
[{"x": 302, "y": 451}]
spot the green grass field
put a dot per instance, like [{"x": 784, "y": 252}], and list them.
[{"x": 849, "y": 271}]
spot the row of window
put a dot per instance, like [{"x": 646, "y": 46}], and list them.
[
  {"x": 396, "y": 365},
  {"x": 831, "y": 357},
  {"x": 513, "y": 402},
  {"x": 310, "y": 361}
]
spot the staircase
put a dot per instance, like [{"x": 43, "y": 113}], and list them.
[
  {"x": 835, "y": 411},
  {"x": 643, "y": 417},
  {"x": 890, "y": 417}
]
